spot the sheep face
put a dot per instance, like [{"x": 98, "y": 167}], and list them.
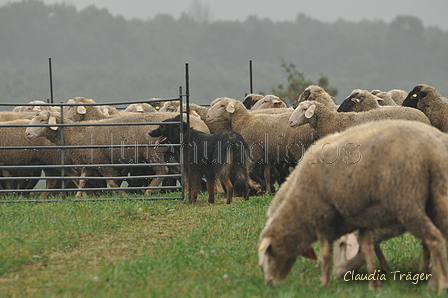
[
  {"x": 269, "y": 102},
  {"x": 414, "y": 96},
  {"x": 302, "y": 114},
  {"x": 44, "y": 117},
  {"x": 346, "y": 255},
  {"x": 361, "y": 100},
  {"x": 251, "y": 99},
  {"x": 221, "y": 111},
  {"x": 170, "y": 106}
]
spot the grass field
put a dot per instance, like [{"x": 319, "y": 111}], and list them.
[{"x": 163, "y": 249}]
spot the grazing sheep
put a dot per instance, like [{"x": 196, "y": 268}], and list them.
[
  {"x": 271, "y": 141},
  {"x": 251, "y": 99},
  {"x": 428, "y": 100},
  {"x": 269, "y": 102},
  {"x": 317, "y": 93},
  {"x": 346, "y": 186},
  {"x": 219, "y": 156},
  {"x": 326, "y": 121},
  {"x": 140, "y": 108}
]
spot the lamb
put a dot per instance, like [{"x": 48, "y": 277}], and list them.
[
  {"x": 251, "y": 99},
  {"x": 269, "y": 102},
  {"x": 428, "y": 100},
  {"x": 270, "y": 139},
  {"x": 317, "y": 93},
  {"x": 326, "y": 121},
  {"x": 339, "y": 191}
]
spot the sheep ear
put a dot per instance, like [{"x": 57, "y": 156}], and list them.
[
  {"x": 140, "y": 109},
  {"x": 352, "y": 247},
  {"x": 262, "y": 248},
  {"x": 81, "y": 110},
  {"x": 230, "y": 108},
  {"x": 52, "y": 120},
  {"x": 310, "y": 111}
]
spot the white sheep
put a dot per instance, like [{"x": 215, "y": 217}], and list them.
[{"x": 345, "y": 184}]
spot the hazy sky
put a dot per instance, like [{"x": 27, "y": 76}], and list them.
[{"x": 431, "y": 12}]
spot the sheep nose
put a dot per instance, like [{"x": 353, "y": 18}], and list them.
[
  {"x": 28, "y": 135},
  {"x": 208, "y": 118}
]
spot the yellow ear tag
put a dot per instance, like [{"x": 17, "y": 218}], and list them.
[
  {"x": 53, "y": 122},
  {"x": 232, "y": 106},
  {"x": 311, "y": 111},
  {"x": 157, "y": 108},
  {"x": 196, "y": 114},
  {"x": 357, "y": 100},
  {"x": 261, "y": 247},
  {"x": 83, "y": 108},
  {"x": 414, "y": 95},
  {"x": 106, "y": 113}
]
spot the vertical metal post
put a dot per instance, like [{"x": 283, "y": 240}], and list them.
[
  {"x": 51, "y": 80},
  {"x": 251, "y": 78},
  {"x": 62, "y": 152},
  {"x": 187, "y": 102},
  {"x": 181, "y": 150}
]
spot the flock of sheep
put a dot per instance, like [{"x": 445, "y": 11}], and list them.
[{"x": 359, "y": 173}]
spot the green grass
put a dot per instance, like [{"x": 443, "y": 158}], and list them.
[{"x": 162, "y": 249}]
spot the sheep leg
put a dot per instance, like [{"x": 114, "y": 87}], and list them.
[
  {"x": 160, "y": 170},
  {"x": 381, "y": 258},
  {"x": 325, "y": 257},
  {"x": 267, "y": 177},
  {"x": 367, "y": 247},
  {"x": 81, "y": 183},
  {"x": 422, "y": 227},
  {"x": 424, "y": 265}
]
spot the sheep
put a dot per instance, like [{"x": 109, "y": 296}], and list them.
[
  {"x": 155, "y": 102},
  {"x": 108, "y": 135},
  {"x": 108, "y": 110},
  {"x": 268, "y": 102},
  {"x": 84, "y": 113},
  {"x": 36, "y": 108},
  {"x": 428, "y": 100},
  {"x": 385, "y": 98},
  {"x": 251, "y": 99},
  {"x": 140, "y": 108},
  {"x": 326, "y": 121},
  {"x": 339, "y": 191},
  {"x": 397, "y": 95},
  {"x": 195, "y": 109},
  {"x": 317, "y": 93},
  {"x": 363, "y": 100},
  {"x": 270, "y": 139}
]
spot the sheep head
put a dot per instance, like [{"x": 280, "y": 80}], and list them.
[
  {"x": 347, "y": 255},
  {"x": 276, "y": 259},
  {"x": 417, "y": 94},
  {"x": 44, "y": 117},
  {"x": 358, "y": 101},
  {"x": 170, "y": 106},
  {"x": 71, "y": 112},
  {"x": 269, "y": 102},
  {"x": 222, "y": 110},
  {"x": 301, "y": 115}
]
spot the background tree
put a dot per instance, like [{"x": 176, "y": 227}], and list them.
[{"x": 297, "y": 83}]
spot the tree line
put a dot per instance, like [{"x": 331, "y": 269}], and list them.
[{"x": 108, "y": 58}]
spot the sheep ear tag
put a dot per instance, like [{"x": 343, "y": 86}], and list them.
[
  {"x": 310, "y": 111},
  {"x": 352, "y": 246},
  {"x": 262, "y": 248},
  {"x": 52, "y": 120},
  {"x": 230, "y": 108},
  {"x": 309, "y": 254},
  {"x": 81, "y": 110}
]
